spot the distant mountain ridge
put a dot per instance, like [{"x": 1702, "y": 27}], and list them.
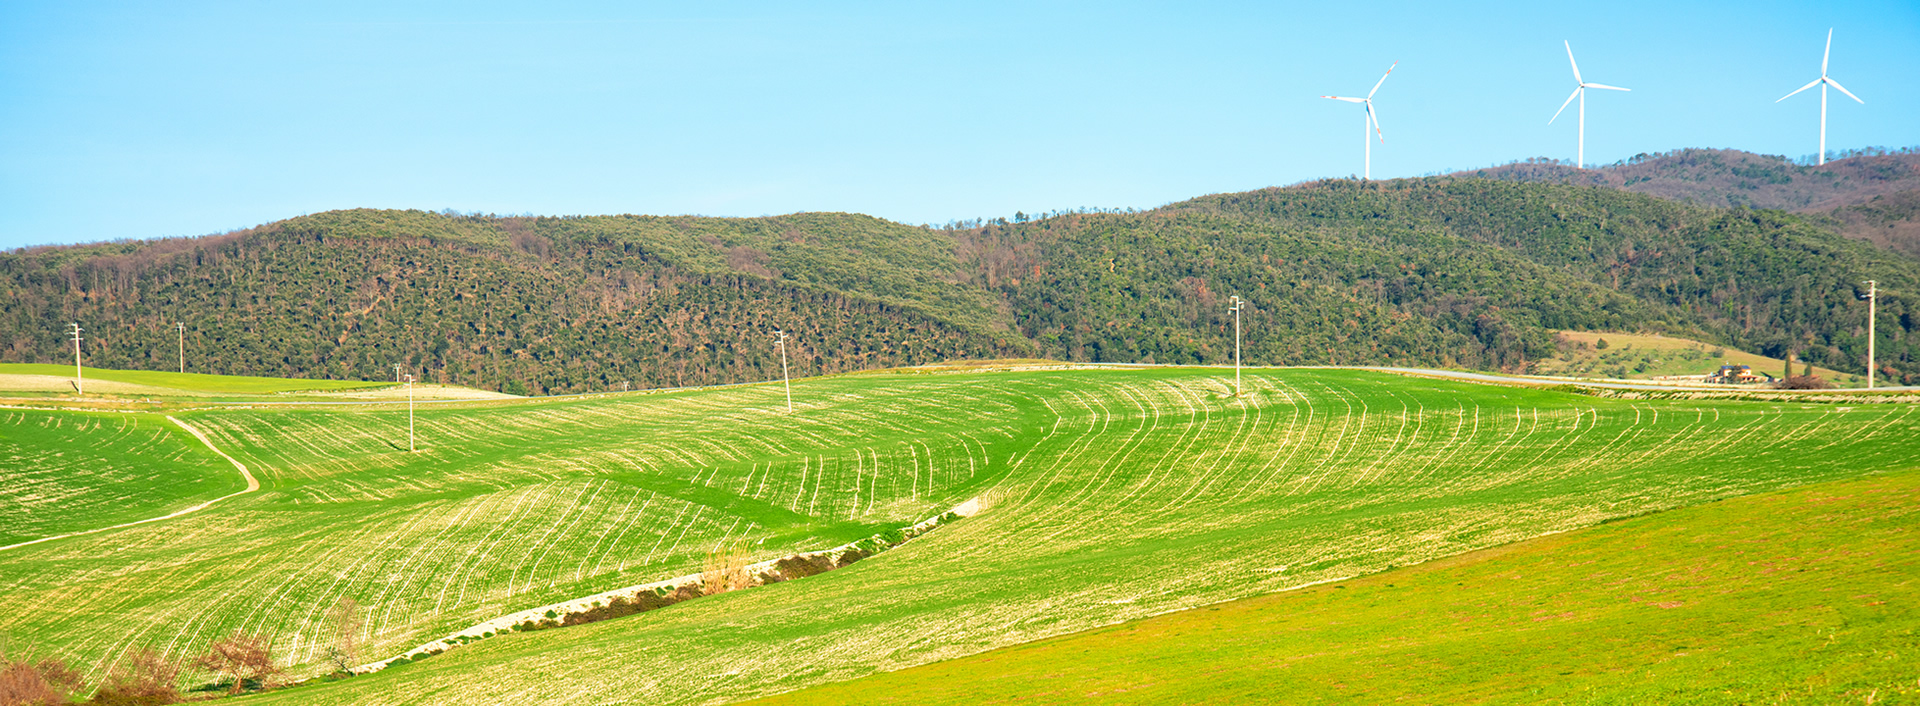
[{"x": 1446, "y": 271}]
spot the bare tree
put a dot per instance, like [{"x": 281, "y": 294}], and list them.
[
  {"x": 344, "y": 618},
  {"x": 243, "y": 657}
]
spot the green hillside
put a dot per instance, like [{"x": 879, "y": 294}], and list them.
[
  {"x": 1111, "y": 495},
  {"x": 1441, "y": 271},
  {"x": 1798, "y": 596}
]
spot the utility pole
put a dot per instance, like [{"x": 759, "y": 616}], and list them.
[
  {"x": 396, "y": 372},
  {"x": 410, "y": 448},
  {"x": 79, "y": 385},
  {"x": 780, "y": 339},
  {"x": 1237, "y": 306},
  {"x": 182, "y": 327},
  {"x": 1872, "y": 291}
]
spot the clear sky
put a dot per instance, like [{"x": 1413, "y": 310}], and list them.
[{"x": 139, "y": 120}]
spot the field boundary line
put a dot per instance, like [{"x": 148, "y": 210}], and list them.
[{"x": 252, "y": 485}]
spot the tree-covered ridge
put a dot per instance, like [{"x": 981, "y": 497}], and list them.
[
  {"x": 1732, "y": 178},
  {"x": 1437, "y": 271}
]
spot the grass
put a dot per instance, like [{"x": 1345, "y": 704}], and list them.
[
  {"x": 166, "y": 383},
  {"x": 1113, "y": 495},
  {"x": 69, "y": 471},
  {"x": 1643, "y": 357},
  {"x": 1805, "y": 595}
]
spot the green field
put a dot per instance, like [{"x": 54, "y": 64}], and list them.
[
  {"x": 1111, "y": 495},
  {"x": 162, "y": 383},
  {"x": 1800, "y": 596},
  {"x": 69, "y": 471}
]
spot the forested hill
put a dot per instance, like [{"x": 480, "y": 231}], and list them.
[
  {"x": 1438, "y": 271},
  {"x": 1866, "y": 194},
  {"x": 1730, "y": 178}
]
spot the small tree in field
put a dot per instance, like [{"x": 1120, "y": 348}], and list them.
[
  {"x": 242, "y": 656},
  {"x": 344, "y": 618}
]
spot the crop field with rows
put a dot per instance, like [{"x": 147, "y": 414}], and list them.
[
  {"x": 1109, "y": 494},
  {"x": 69, "y": 471}
]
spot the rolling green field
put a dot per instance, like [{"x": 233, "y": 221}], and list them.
[
  {"x": 1805, "y": 595},
  {"x": 1111, "y": 495},
  {"x": 69, "y": 471}
]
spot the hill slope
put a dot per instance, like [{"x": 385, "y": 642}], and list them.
[
  {"x": 1730, "y": 602},
  {"x": 1440, "y": 271}
]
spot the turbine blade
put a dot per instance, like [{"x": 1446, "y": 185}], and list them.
[
  {"x": 1383, "y": 79},
  {"x": 1563, "y": 106},
  {"x": 1810, "y": 84},
  {"x": 1344, "y": 98},
  {"x": 1375, "y": 120},
  {"x": 1828, "y": 54},
  {"x": 1605, "y": 86},
  {"x": 1843, "y": 89},
  {"x": 1576, "y": 64}
]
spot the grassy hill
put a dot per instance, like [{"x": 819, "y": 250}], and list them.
[
  {"x": 1111, "y": 495},
  {"x": 1635, "y": 356},
  {"x": 1802, "y": 595},
  {"x": 1442, "y": 271}
]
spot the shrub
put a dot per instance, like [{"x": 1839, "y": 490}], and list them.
[
  {"x": 799, "y": 567},
  {"x": 1805, "y": 382},
  {"x": 48, "y": 681},
  {"x": 145, "y": 678}
]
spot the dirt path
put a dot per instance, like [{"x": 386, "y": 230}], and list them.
[{"x": 252, "y": 485}]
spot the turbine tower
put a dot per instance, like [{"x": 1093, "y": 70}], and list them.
[
  {"x": 1369, "y": 123},
  {"x": 1823, "y": 82},
  {"x": 1580, "y": 92}
]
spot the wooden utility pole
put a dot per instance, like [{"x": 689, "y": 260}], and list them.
[
  {"x": 79, "y": 385},
  {"x": 780, "y": 339}
]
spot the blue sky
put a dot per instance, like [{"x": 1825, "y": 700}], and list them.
[{"x": 136, "y": 120}]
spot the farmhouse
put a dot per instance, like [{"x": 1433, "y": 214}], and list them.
[{"x": 1737, "y": 375}]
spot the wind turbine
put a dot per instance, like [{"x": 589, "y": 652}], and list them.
[
  {"x": 1580, "y": 92},
  {"x": 1369, "y": 123},
  {"x": 1823, "y": 82}
]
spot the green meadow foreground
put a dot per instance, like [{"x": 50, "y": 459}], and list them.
[
  {"x": 1110, "y": 495},
  {"x": 1805, "y": 595}
]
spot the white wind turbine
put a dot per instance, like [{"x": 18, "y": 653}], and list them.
[
  {"x": 1580, "y": 92},
  {"x": 1823, "y": 82},
  {"x": 1369, "y": 123}
]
